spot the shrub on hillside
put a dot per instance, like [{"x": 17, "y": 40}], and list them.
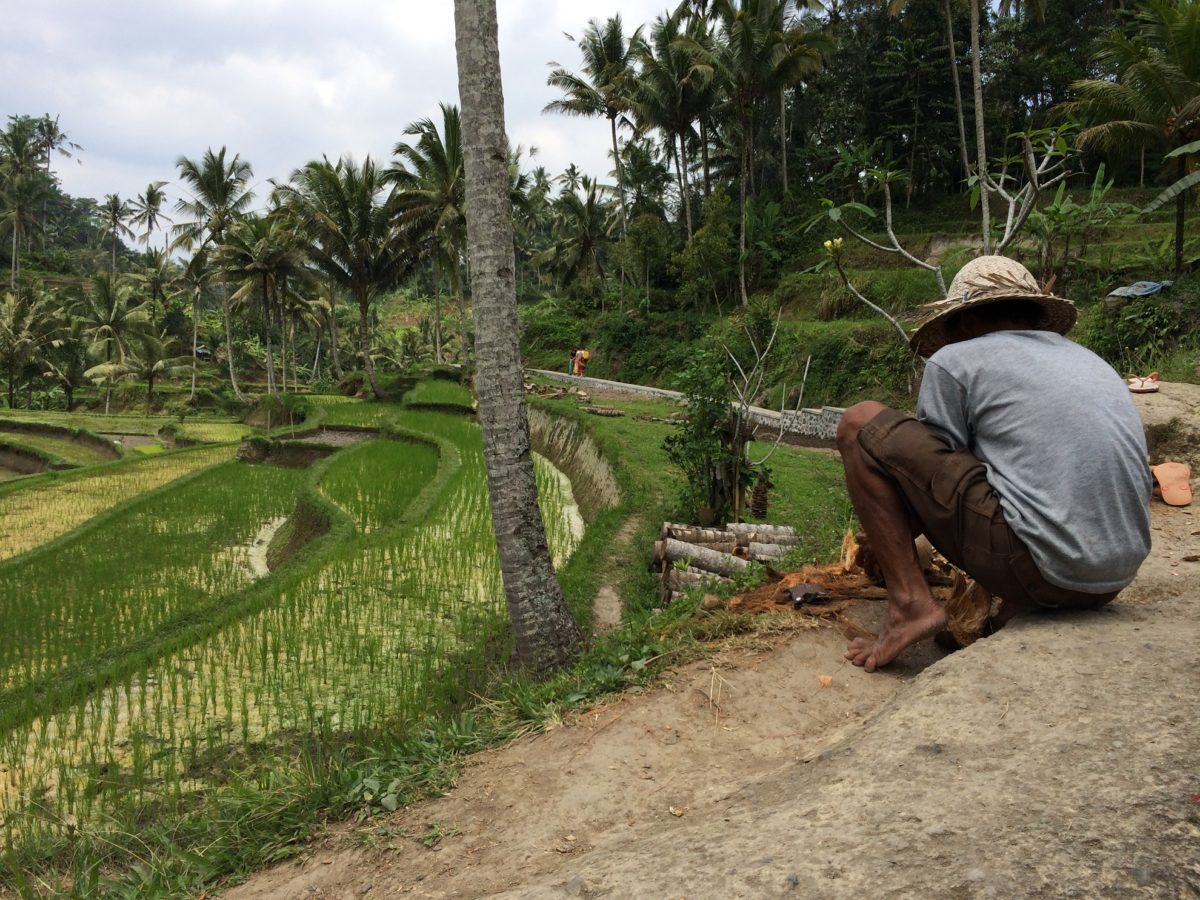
[{"x": 1143, "y": 334}]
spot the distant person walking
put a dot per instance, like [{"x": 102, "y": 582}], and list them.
[
  {"x": 571, "y": 362},
  {"x": 581, "y": 361}
]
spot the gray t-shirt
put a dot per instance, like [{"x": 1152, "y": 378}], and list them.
[{"x": 1063, "y": 445}]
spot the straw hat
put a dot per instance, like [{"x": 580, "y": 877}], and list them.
[{"x": 989, "y": 279}]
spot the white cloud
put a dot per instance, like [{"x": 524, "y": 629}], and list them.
[{"x": 279, "y": 82}]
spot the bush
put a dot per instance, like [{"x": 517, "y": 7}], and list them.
[
  {"x": 352, "y": 383},
  {"x": 1143, "y": 334}
]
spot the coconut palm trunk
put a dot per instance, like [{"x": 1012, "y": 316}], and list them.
[
  {"x": 1181, "y": 170},
  {"x": 195, "y": 337},
  {"x": 958, "y": 105},
  {"x": 545, "y": 634},
  {"x": 334, "y": 356},
  {"x": 457, "y": 286},
  {"x": 620, "y": 190},
  {"x": 985, "y": 212},
  {"x": 364, "y": 343},
  {"x": 684, "y": 193},
  {"x": 237, "y": 391},
  {"x": 437, "y": 315},
  {"x": 742, "y": 226},
  {"x": 783, "y": 137}
]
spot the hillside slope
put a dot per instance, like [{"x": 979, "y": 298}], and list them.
[{"x": 1058, "y": 758}]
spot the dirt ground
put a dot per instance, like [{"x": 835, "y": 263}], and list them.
[{"x": 1058, "y": 758}]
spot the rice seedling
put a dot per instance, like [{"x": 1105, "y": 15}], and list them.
[
  {"x": 375, "y": 482},
  {"x": 439, "y": 393},
  {"x": 163, "y": 556},
  {"x": 209, "y": 430},
  {"x": 32, "y": 514},
  {"x": 379, "y": 630},
  {"x": 337, "y": 410},
  {"x": 213, "y": 432}
]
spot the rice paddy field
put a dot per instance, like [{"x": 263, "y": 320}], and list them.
[
  {"x": 440, "y": 393},
  {"x": 68, "y": 451},
  {"x": 149, "y": 651},
  {"x": 34, "y": 514},
  {"x": 194, "y": 429}
]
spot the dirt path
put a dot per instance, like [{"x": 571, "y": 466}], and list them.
[{"x": 1058, "y": 758}]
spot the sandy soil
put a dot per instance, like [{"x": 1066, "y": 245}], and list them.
[{"x": 1058, "y": 758}]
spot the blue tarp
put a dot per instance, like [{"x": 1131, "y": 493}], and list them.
[{"x": 1140, "y": 289}]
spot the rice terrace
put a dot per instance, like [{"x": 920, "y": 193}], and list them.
[
  {"x": 130, "y": 680},
  {"x": 731, "y": 448}
]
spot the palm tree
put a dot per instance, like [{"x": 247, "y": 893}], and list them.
[
  {"x": 65, "y": 360},
  {"x": 23, "y": 184},
  {"x": 545, "y": 634},
  {"x": 260, "y": 253},
  {"x": 582, "y": 225},
  {"x": 194, "y": 279},
  {"x": 670, "y": 94},
  {"x": 1154, "y": 102},
  {"x": 347, "y": 214},
  {"x": 430, "y": 198},
  {"x": 24, "y": 316},
  {"x": 146, "y": 210},
  {"x": 53, "y": 139},
  {"x": 219, "y": 196},
  {"x": 115, "y": 212},
  {"x": 111, "y": 319},
  {"x": 757, "y": 54},
  {"x": 605, "y": 86},
  {"x": 147, "y": 358},
  {"x": 571, "y": 178}
]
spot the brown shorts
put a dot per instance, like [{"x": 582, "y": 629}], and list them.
[{"x": 948, "y": 495}]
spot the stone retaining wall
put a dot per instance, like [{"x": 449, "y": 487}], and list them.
[{"x": 816, "y": 424}]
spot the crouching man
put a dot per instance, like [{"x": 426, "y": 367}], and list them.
[{"x": 1025, "y": 465}]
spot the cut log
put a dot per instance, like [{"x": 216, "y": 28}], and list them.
[
  {"x": 604, "y": 411},
  {"x": 719, "y": 546},
  {"x": 694, "y": 534},
  {"x": 678, "y": 580},
  {"x": 699, "y": 557},
  {"x": 740, "y": 527},
  {"x": 745, "y": 538},
  {"x": 712, "y": 576},
  {"x": 768, "y": 551}
]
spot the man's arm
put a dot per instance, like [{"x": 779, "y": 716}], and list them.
[{"x": 942, "y": 407}]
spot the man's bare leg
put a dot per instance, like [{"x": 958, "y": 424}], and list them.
[{"x": 912, "y": 612}]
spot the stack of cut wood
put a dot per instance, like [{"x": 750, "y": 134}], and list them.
[{"x": 686, "y": 556}]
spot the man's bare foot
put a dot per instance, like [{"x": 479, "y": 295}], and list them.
[{"x": 905, "y": 625}]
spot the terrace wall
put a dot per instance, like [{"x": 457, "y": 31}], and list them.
[
  {"x": 22, "y": 461},
  {"x": 76, "y": 436},
  {"x": 566, "y": 444}
]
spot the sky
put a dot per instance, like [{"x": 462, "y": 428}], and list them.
[{"x": 280, "y": 82}]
